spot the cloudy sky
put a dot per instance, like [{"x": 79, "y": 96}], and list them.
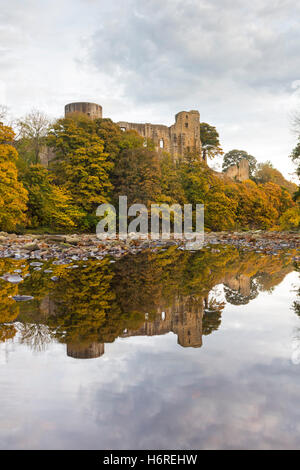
[{"x": 144, "y": 60}]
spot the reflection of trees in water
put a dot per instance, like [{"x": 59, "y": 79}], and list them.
[
  {"x": 212, "y": 314},
  {"x": 35, "y": 335},
  {"x": 98, "y": 301},
  {"x": 296, "y": 338},
  {"x": 295, "y": 357},
  {"x": 296, "y": 307},
  {"x": 296, "y": 303},
  {"x": 236, "y": 297},
  {"x": 7, "y": 332}
]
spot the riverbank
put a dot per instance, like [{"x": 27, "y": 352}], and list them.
[{"x": 68, "y": 248}]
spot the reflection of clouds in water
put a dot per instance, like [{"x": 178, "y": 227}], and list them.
[
  {"x": 151, "y": 393},
  {"x": 247, "y": 409},
  {"x": 240, "y": 390},
  {"x": 295, "y": 356}
]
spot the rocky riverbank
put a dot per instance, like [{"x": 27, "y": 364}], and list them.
[{"x": 68, "y": 248}]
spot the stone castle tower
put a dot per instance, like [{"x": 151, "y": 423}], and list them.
[
  {"x": 181, "y": 138},
  {"x": 90, "y": 109}
]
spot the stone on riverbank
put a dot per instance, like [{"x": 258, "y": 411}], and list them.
[{"x": 67, "y": 248}]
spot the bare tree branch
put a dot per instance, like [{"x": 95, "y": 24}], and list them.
[{"x": 34, "y": 127}]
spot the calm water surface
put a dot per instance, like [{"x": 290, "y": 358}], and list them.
[{"x": 166, "y": 350}]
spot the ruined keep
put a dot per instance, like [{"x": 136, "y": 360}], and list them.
[{"x": 179, "y": 139}]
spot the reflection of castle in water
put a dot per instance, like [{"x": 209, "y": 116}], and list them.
[
  {"x": 148, "y": 295},
  {"x": 184, "y": 319},
  {"x": 85, "y": 351}
]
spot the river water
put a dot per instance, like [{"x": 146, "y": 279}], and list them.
[{"x": 161, "y": 350}]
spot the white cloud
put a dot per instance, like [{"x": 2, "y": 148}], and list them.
[{"x": 146, "y": 60}]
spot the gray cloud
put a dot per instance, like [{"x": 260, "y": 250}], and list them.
[
  {"x": 145, "y": 60},
  {"x": 174, "y": 48}
]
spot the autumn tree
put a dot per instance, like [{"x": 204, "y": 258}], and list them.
[
  {"x": 111, "y": 135},
  {"x": 253, "y": 207},
  {"x": 170, "y": 181},
  {"x": 48, "y": 204},
  {"x": 235, "y": 156},
  {"x": 137, "y": 176},
  {"x": 295, "y": 156},
  {"x": 81, "y": 166},
  {"x": 290, "y": 219},
  {"x": 201, "y": 186},
  {"x": 265, "y": 173},
  {"x": 210, "y": 141},
  {"x": 278, "y": 197},
  {"x": 13, "y": 195},
  {"x": 115, "y": 140}
]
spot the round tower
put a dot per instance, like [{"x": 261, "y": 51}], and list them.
[{"x": 90, "y": 109}]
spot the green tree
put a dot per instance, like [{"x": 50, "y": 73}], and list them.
[
  {"x": 235, "y": 156},
  {"x": 210, "y": 141}
]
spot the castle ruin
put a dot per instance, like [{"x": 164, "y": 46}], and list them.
[{"x": 181, "y": 138}]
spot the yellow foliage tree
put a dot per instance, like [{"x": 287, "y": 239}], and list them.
[
  {"x": 290, "y": 220},
  {"x": 13, "y": 196}
]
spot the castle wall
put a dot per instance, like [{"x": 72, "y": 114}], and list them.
[
  {"x": 160, "y": 134},
  {"x": 184, "y": 319},
  {"x": 239, "y": 172},
  {"x": 180, "y": 138},
  {"x": 46, "y": 155}
]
